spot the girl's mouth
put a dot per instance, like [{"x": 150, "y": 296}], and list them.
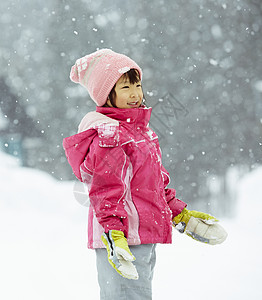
[{"x": 134, "y": 103}]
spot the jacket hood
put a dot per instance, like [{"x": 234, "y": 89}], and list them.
[
  {"x": 77, "y": 146},
  {"x": 94, "y": 119}
]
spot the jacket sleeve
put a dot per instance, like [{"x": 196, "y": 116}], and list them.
[
  {"x": 174, "y": 203},
  {"x": 104, "y": 171}
]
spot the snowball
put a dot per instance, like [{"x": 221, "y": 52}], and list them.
[
  {"x": 213, "y": 62},
  {"x": 149, "y": 93}
]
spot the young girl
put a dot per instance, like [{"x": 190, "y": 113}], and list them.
[{"x": 118, "y": 157}]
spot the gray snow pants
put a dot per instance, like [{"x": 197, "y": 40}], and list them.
[{"x": 115, "y": 287}]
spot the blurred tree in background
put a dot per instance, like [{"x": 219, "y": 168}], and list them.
[{"x": 202, "y": 76}]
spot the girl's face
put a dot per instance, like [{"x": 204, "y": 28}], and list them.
[{"x": 128, "y": 95}]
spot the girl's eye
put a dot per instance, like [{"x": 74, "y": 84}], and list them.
[
  {"x": 139, "y": 85},
  {"x": 125, "y": 87}
]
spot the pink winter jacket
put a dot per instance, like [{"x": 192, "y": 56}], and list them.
[{"x": 118, "y": 156}]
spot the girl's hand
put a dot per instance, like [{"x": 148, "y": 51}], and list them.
[
  {"x": 200, "y": 226},
  {"x": 119, "y": 254}
]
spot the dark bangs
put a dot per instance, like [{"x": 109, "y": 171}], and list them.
[{"x": 133, "y": 76}]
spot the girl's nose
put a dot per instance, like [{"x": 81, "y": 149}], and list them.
[{"x": 133, "y": 92}]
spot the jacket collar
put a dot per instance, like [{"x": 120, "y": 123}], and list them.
[{"x": 140, "y": 115}]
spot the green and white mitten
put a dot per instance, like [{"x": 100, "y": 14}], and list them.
[
  {"x": 200, "y": 226},
  {"x": 119, "y": 254}
]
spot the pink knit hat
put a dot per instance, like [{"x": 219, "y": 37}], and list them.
[{"x": 98, "y": 72}]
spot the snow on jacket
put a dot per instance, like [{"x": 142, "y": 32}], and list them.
[{"x": 118, "y": 157}]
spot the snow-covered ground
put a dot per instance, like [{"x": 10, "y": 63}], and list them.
[{"x": 43, "y": 252}]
